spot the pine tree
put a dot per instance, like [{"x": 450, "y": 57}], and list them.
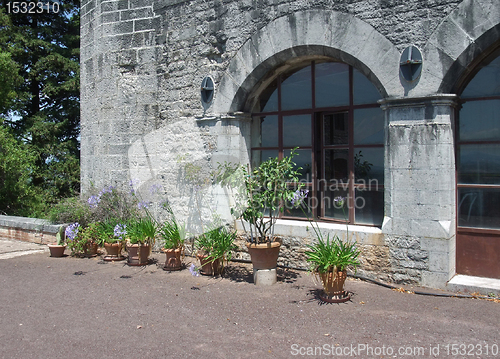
[{"x": 46, "y": 114}]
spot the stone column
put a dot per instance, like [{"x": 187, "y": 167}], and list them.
[{"x": 419, "y": 224}]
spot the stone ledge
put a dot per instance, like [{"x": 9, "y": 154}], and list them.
[
  {"x": 33, "y": 224},
  {"x": 470, "y": 284}
]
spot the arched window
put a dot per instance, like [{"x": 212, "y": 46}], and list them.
[
  {"x": 478, "y": 150},
  {"x": 329, "y": 110}
]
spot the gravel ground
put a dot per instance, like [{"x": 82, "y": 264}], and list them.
[{"x": 87, "y": 308}]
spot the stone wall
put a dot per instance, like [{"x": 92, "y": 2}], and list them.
[{"x": 28, "y": 229}]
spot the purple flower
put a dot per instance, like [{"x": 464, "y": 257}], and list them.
[
  {"x": 143, "y": 204},
  {"x": 154, "y": 188},
  {"x": 299, "y": 196},
  {"x": 93, "y": 201},
  {"x": 72, "y": 230},
  {"x": 195, "y": 272},
  {"x": 339, "y": 201},
  {"x": 120, "y": 231}
]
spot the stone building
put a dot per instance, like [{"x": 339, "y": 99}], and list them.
[{"x": 393, "y": 104}]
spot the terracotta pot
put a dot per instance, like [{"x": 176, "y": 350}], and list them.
[
  {"x": 90, "y": 249},
  {"x": 56, "y": 250},
  {"x": 173, "y": 261},
  {"x": 333, "y": 282},
  {"x": 138, "y": 254},
  {"x": 114, "y": 251},
  {"x": 264, "y": 255},
  {"x": 210, "y": 268}
]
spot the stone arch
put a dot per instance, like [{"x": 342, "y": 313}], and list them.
[
  {"x": 466, "y": 36},
  {"x": 302, "y": 35}
]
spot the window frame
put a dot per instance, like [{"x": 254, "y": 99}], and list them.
[{"x": 318, "y": 148}]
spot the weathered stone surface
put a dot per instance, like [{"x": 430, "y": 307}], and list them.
[{"x": 143, "y": 62}]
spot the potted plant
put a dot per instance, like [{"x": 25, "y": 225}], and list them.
[
  {"x": 173, "y": 235},
  {"x": 215, "y": 247},
  {"x": 83, "y": 241},
  {"x": 329, "y": 260},
  {"x": 112, "y": 237},
  {"x": 57, "y": 249},
  {"x": 260, "y": 197},
  {"x": 141, "y": 235}
]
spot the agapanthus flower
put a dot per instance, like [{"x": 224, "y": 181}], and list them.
[
  {"x": 72, "y": 230},
  {"x": 120, "y": 231},
  {"x": 339, "y": 201},
  {"x": 93, "y": 201},
  {"x": 154, "y": 188},
  {"x": 143, "y": 204},
  {"x": 299, "y": 196},
  {"x": 194, "y": 271}
]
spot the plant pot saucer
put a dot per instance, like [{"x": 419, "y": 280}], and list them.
[
  {"x": 109, "y": 258},
  {"x": 169, "y": 269},
  {"x": 336, "y": 298}
]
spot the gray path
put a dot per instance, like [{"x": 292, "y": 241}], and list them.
[{"x": 86, "y": 308}]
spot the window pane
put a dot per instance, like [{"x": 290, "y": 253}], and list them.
[
  {"x": 265, "y": 131},
  {"x": 369, "y": 207},
  {"x": 332, "y": 84},
  {"x": 486, "y": 82},
  {"x": 336, "y": 165},
  {"x": 480, "y": 120},
  {"x": 297, "y": 130},
  {"x": 369, "y": 166},
  {"x": 479, "y": 208},
  {"x": 364, "y": 90},
  {"x": 479, "y": 164},
  {"x": 268, "y": 100},
  {"x": 303, "y": 159},
  {"x": 331, "y": 207},
  {"x": 259, "y": 156},
  {"x": 336, "y": 129},
  {"x": 368, "y": 126},
  {"x": 296, "y": 90}
]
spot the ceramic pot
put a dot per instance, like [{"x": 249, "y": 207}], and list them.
[
  {"x": 56, "y": 250},
  {"x": 114, "y": 251},
  {"x": 210, "y": 268},
  {"x": 90, "y": 249},
  {"x": 264, "y": 255},
  {"x": 138, "y": 254},
  {"x": 333, "y": 287},
  {"x": 173, "y": 260}
]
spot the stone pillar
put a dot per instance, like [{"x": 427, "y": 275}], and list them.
[{"x": 419, "y": 224}]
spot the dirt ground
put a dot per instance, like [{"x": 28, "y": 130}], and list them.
[{"x": 87, "y": 308}]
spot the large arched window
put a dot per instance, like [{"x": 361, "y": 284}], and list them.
[
  {"x": 329, "y": 110},
  {"x": 478, "y": 173}
]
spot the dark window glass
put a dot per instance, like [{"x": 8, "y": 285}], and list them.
[
  {"x": 266, "y": 131},
  {"x": 369, "y": 165},
  {"x": 479, "y": 208},
  {"x": 330, "y": 206},
  {"x": 332, "y": 84},
  {"x": 336, "y": 164},
  {"x": 336, "y": 129},
  {"x": 268, "y": 101},
  {"x": 303, "y": 159},
  {"x": 259, "y": 156},
  {"x": 486, "y": 82},
  {"x": 296, "y": 90},
  {"x": 364, "y": 90},
  {"x": 368, "y": 126},
  {"x": 369, "y": 207},
  {"x": 479, "y": 164},
  {"x": 480, "y": 121},
  {"x": 297, "y": 130}
]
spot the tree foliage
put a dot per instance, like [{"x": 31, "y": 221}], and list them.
[{"x": 42, "y": 110}]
